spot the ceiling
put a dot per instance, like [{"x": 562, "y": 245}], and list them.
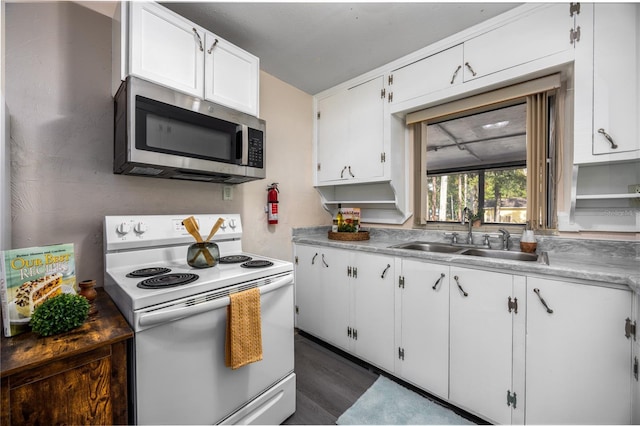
[{"x": 314, "y": 46}]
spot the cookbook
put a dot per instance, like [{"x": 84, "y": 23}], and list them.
[{"x": 28, "y": 277}]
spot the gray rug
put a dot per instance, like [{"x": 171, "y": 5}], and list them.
[{"x": 388, "y": 403}]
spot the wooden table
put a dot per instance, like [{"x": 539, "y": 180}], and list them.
[{"x": 78, "y": 377}]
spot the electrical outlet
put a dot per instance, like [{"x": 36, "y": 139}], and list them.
[
  {"x": 227, "y": 193},
  {"x": 634, "y": 189}
]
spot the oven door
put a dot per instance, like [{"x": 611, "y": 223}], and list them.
[{"x": 180, "y": 373}]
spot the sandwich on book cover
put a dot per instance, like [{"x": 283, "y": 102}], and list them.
[{"x": 28, "y": 277}]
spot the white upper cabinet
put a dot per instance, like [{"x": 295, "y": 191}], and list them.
[
  {"x": 350, "y": 135},
  {"x": 428, "y": 75},
  {"x": 170, "y": 50},
  {"x": 166, "y": 48},
  {"x": 607, "y": 92},
  {"x": 231, "y": 75},
  {"x": 541, "y": 33}
]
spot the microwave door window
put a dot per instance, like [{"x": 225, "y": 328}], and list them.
[{"x": 183, "y": 138}]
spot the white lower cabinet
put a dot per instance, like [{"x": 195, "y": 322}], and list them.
[
  {"x": 347, "y": 299},
  {"x": 422, "y": 298},
  {"x": 481, "y": 339},
  {"x": 508, "y": 348},
  {"x": 578, "y": 360}
]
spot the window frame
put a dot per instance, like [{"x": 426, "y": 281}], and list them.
[{"x": 495, "y": 99}]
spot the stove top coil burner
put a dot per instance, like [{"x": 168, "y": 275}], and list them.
[
  {"x": 167, "y": 280},
  {"x": 257, "y": 264},
  {"x": 147, "y": 272},
  {"x": 236, "y": 258}
]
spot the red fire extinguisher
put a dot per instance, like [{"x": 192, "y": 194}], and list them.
[{"x": 272, "y": 206}]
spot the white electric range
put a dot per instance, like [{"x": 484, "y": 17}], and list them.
[{"x": 177, "y": 372}]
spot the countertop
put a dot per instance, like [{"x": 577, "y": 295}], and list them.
[{"x": 614, "y": 263}]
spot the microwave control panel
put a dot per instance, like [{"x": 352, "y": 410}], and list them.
[{"x": 256, "y": 149}]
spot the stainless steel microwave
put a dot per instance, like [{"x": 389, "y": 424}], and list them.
[{"x": 167, "y": 134}]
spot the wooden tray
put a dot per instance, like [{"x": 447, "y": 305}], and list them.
[{"x": 349, "y": 236}]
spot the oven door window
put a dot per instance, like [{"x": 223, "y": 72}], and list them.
[{"x": 171, "y": 130}]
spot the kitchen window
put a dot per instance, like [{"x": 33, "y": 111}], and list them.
[{"x": 493, "y": 154}]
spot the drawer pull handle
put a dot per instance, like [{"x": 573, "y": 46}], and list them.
[
  {"x": 199, "y": 39},
  {"x": 323, "y": 261},
  {"x": 435, "y": 286},
  {"x": 460, "y": 287},
  {"x": 609, "y": 138},
  {"x": 385, "y": 271},
  {"x": 455, "y": 74},
  {"x": 313, "y": 259},
  {"x": 473, "y": 73},
  {"x": 212, "y": 46},
  {"x": 537, "y": 291}
]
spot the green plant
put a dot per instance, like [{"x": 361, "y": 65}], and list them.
[{"x": 59, "y": 314}]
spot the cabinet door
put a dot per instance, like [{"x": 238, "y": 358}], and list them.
[
  {"x": 166, "y": 48},
  {"x": 433, "y": 73},
  {"x": 332, "y": 137},
  {"x": 308, "y": 285},
  {"x": 424, "y": 326},
  {"x": 350, "y": 139},
  {"x": 334, "y": 300},
  {"x": 542, "y": 33},
  {"x": 366, "y": 138},
  {"x": 373, "y": 309},
  {"x": 578, "y": 360},
  {"x": 231, "y": 75},
  {"x": 480, "y": 359},
  {"x": 616, "y": 79}
]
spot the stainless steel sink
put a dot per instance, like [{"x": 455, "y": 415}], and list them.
[
  {"x": 502, "y": 254},
  {"x": 480, "y": 252},
  {"x": 430, "y": 247}
]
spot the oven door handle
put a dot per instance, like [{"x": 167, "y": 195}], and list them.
[{"x": 172, "y": 314}]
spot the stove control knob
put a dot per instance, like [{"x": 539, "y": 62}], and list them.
[
  {"x": 124, "y": 228},
  {"x": 224, "y": 225},
  {"x": 232, "y": 223},
  {"x": 140, "y": 228}
]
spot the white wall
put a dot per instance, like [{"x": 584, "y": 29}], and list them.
[{"x": 58, "y": 81}]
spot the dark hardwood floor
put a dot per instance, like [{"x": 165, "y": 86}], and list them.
[{"x": 327, "y": 383}]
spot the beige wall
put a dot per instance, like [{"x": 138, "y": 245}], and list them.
[{"x": 58, "y": 75}]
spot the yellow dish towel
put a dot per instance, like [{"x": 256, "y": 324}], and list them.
[{"x": 243, "y": 343}]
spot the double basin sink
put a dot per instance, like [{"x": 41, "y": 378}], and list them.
[{"x": 466, "y": 251}]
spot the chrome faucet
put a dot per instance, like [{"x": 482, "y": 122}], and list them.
[
  {"x": 467, "y": 214},
  {"x": 505, "y": 238}
]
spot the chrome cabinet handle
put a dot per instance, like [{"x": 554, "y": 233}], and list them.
[
  {"x": 473, "y": 73},
  {"x": 455, "y": 74},
  {"x": 199, "y": 39},
  {"x": 212, "y": 46},
  {"x": 313, "y": 260},
  {"x": 385, "y": 271},
  {"x": 323, "y": 261},
  {"x": 342, "y": 172},
  {"x": 609, "y": 138},
  {"x": 350, "y": 172},
  {"x": 537, "y": 291},
  {"x": 435, "y": 286},
  {"x": 460, "y": 287}
]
